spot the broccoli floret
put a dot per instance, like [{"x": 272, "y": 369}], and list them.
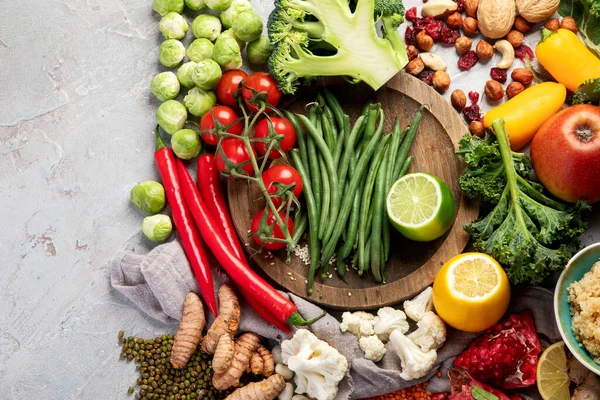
[{"x": 314, "y": 38}]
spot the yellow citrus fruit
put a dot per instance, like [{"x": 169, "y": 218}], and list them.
[
  {"x": 552, "y": 373},
  {"x": 471, "y": 292}
]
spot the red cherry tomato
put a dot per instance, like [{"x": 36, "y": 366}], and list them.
[
  {"x": 262, "y": 82},
  {"x": 229, "y": 83},
  {"x": 225, "y": 115},
  {"x": 236, "y": 152},
  {"x": 277, "y": 232},
  {"x": 285, "y": 175},
  {"x": 282, "y": 127}
]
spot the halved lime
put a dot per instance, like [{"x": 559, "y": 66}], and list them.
[{"x": 421, "y": 206}]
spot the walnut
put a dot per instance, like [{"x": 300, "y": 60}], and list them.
[
  {"x": 494, "y": 90},
  {"x": 462, "y": 45},
  {"x": 454, "y": 20},
  {"x": 458, "y": 100},
  {"x": 424, "y": 41},
  {"x": 441, "y": 80},
  {"x": 552, "y": 24},
  {"x": 471, "y": 7},
  {"x": 484, "y": 50},
  {"x": 469, "y": 26},
  {"x": 522, "y": 75},
  {"x": 521, "y": 24},
  {"x": 412, "y": 52},
  {"x": 569, "y": 23},
  {"x": 496, "y": 17},
  {"x": 476, "y": 128},
  {"x": 513, "y": 89},
  {"x": 515, "y": 38},
  {"x": 415, "y": 67},
  {"x": 536, "y": 11}
]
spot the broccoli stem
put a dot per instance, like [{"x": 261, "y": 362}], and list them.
[{"x": 393, "y": 36}]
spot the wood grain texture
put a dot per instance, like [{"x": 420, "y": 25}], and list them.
[{"x": 412, "y": 266}]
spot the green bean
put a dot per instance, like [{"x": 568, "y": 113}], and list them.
[
  {"x": 332, "y": 123},
  {"x": 377, "y": 227},
  {"x": 392, "y": 152},
  {"x": 365, "y": 108},
  {"x": 300, "y": 138},
  {"x": 327, "y": 130},
  {"x": 315, "y": 175},
  {"x": 335, "y": 106},
  {"x": 313, "y": 220},
  {"x": 407, "y": 142},
  {"x": 349, "y": 153},
  {"x": 371, "y": 122},
  {"x": 326, "y": 198},
  {"x": 339, "y": 147},
  {"x": 300, "y": 224},
  {"x": 352, "y": 230},
  {"x": 405, "y": 167}
]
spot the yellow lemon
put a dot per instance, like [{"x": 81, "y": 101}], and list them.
[
  {"x": 552, "y": 373},
  {"x": 471, "y": 292}
]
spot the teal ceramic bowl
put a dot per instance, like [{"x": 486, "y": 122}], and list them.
[{"x": 577, "y": 267}]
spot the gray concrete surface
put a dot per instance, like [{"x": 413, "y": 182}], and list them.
[{"x": 76, "y": 133}]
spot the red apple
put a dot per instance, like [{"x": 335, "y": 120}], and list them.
[{"x": 565, "y": 153}]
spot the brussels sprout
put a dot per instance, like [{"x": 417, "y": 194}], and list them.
[
  {"x": 184, "y": 74},
  {"x": 157, "y": 227},
  {"x": 259, "y": 50},
  {"x": 206, "y": 26},
  {"x": 236, "y": 8},
  {"x": 227, "y": 52},
  {"x": 171, "y": 52},
  {"x": 171, "y": 116},
  {"x": 218, "y": 5},
  {"x": 173, "y": 26},
  {"x": 229, "y": 33},
  {"x": 186, "y": 144},
  {"x": 200, "y": 49},
  {"x": 164, "y": 7},
  {"x": 206, "y": 74},
  {"x": 148, "y": 196},
  {"x": 165, "y": 86},
  {"x": 199, "y": 102},
  {"x": 247, "y": 26},
  {"x": 195, "y": 4}
]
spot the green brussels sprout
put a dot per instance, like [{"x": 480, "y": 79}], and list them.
[
  {"x": 247, "y": 26},
  {"x": 199, "y": 102},
  {"x": 186, "y": 144},
  {"x": 195, "y": 4},
  {"x": 227, "y": 52},
  {"x": 171, "y": 52},
  {"x": 206, "y": 26},
  {"x": 165, "y": 86},
  {"x": 206, "y": 74},
  {"x": 200, "y": 49},
  {"x": 236, "y": 8},
  {"x": 218, "y": 5},
  {"x": 173, "y": 26},
  {"x": 148, "y": 196},
  {"x": 157, "y": 227},
  {"x": 184, "y": 74},
  {"x": 171, "y": 116},
  {"x": 164, "y": 7},
  {"x": 259, "y": 50},
  {"x": 229, "y": 33}
]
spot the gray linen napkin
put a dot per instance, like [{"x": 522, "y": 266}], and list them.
[{"x": 159, "y": 281}]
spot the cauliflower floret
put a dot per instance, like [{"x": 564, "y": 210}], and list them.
[
  {"x": 319, "y": 367},
  {"x": 417, "y": 307},
  {"x": 415, "y": 362},
  {"x": 388, "y": 320},
  {"x": 358, "y": 323},
  {"x": 373, "y": 347},
  {"x": 431, "y": 332}
]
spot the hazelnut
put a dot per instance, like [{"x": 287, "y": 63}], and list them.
[
  {"x": 415, "y": 67},
  {"x": 458, "y": 99},
  {"x": 484, "y": 50},
  {"x": 522, "y": 75},
  {"x": 493, "y": 90},
  {"x": 441, "y": 80},
  {"x": 424, "y": 41},
  {"x": 454, "y": 20},
  {"x": 412, "y": 52},
  {"x": 471, "y": 7},
  {"x": 476, "y": 128},
  {"x": 513, "y": 89},
  {"x": 552, "y": 24},
  {"x": 462, "y": 45},
  {"x": 469, "y": 26},
  {"x": 569, "y": 23},
  {"x": 521, "y": 24},
  {"x": 515, "y": 38}
]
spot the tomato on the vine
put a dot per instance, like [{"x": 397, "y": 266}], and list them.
[
  {"x": 236, "y": 152},
  {"x": 277, "y": 232},
  {"x": 227, "y": 86},
  {"x": 264, "y": 83},
  {"x": 225, "y": 115},
  {"x": 284, "y": 174},
  {"x": 282, "y": 127}
]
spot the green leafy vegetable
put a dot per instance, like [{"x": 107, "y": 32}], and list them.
[
  {"x": 528, "y": 232},
  {"x": 587, "y": 93},
  {"x": 587, "y": 15},
  {"x": 482, "y": 394}
]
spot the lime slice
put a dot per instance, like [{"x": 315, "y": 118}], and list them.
[{"x": 421, "y": 206}]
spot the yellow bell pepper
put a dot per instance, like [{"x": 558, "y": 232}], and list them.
[
  {"x": 566, "y": 58},
  {"x": 525, "y": 113}
]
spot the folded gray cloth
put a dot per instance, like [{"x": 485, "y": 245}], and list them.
[{"x": 159, "y": 281}]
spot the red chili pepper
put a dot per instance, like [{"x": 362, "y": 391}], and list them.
[
  {"x": 190, "y": 238},
  {"x": 262, "y": 311},
  {"x": 238, "y": 269}
]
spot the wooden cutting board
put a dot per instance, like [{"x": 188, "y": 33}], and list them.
[{"x": 412, "y": 265}]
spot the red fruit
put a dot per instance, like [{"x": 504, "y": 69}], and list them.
[
  {"x": 411, "y": 14},
  {"x": 421, "y": 23},
  {"x": 449, "y": 35},
  {"x": 505, "y": 355},
  {"x": 461, "y": 6},
  {"x": 281, "y": 126},
  {"x": 410, "y": 36},
  {"x": 434, "y": 29},
  {"x": 426, "y": 76},
  {"x": 472, "y": 113},
  {"x": 440, "y": 396},
  {"x": 464, "y": 387},
  {"x": 474, "y": 97},
  {"x": 275, "y": 233},
  {"x": 226, "y": 116},
  {"x": 468, "y": 60},
  {"x": 236, "y": 153},
  {"x": 285, "y": 175},
  {"x": 498, "y": 74},
  {"x": 524, "y": 51}
]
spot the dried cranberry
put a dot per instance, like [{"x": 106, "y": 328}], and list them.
[
  {"x": 410, "y": 36},
  {"x": 462, "y": 385},
  {"x": 421, "y": 23},
  {"x": 461, "y": 5},
  {"x": 434, "y": 29},
  {"x": 426, "y": 76},
  {"x": 468, "y": 60},
  {"x": 472, "y": 113},
  {"x": 440, "y": 396},
  {"x": 498, "y": 74},
  {"x": 449, "y": 35},
  {"x": 524, "y": 51},
  {"x": 474, "y": 97},
  {"x": 411, "y": 14}
]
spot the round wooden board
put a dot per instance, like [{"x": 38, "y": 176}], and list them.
[{"x": 412, "y": 266}]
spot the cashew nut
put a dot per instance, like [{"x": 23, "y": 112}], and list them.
[
  {"x": 433, "y": 61},
  {"x": 508, "y": 53},
  {"x": 276, "y": 352},
  {"x": 284, "y": 371},
  {"x": 287, "y": 392},
  {"x": 436, "y": 8}
]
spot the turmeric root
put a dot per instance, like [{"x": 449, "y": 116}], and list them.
[
  {"x": 267, "y": 359},
  {"x": 267, "y": 389},
  {"x": 256, "y": 364},
  {"x": 189, "y": 333},
  {"x": 223, "y": 355},
  {"x": 228, "y": 321},
  {"x": 245, "y": 346}
]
